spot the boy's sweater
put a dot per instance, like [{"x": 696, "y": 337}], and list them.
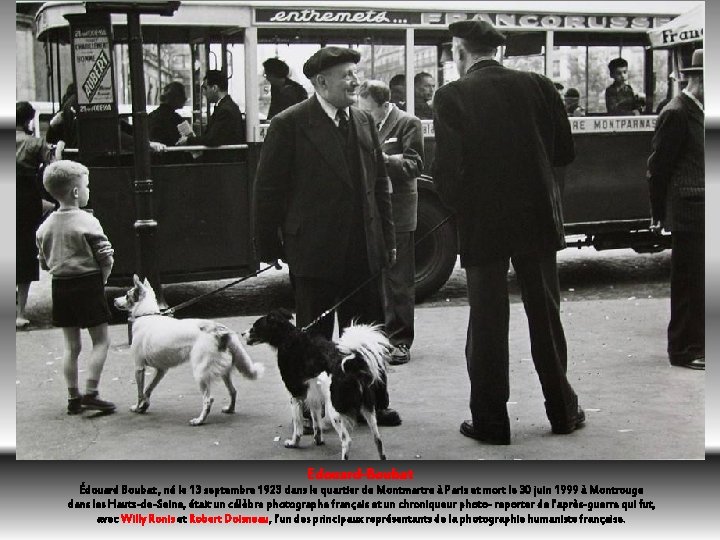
[{"x": 72, "y": 243}]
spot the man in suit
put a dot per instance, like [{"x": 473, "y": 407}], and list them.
[
  {"x": 322, "y": 202},
  {"x": 676, "y": 173},
  {"x": 402, "y": 144},
  {"x": 499, "y": 133},
  {"x": 226, "y": 125}
]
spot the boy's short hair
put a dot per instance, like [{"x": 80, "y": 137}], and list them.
[
  {"x": 616, "y": 63},
  {"x": 378, "y": 91},
  {"x": 60, "y": 176},
  {"x": 397, "y": 80},
  {"x": 420, "y": 76}
]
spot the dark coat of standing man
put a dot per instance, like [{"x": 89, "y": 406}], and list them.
[
  {"x": 322, "y": 201},
  {"x": 225, "y": 126},
  {"x": 402, "y": 145},
  {"x": 499, "y": 133},
  {"x": 676, "y": 173}
]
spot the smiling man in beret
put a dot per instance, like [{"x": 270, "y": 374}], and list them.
[
  {"x": 322, "y": 201},
  {"x": 498, "y": 134}
]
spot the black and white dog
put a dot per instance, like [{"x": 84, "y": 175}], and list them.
[{"x": 342, "y": 376}]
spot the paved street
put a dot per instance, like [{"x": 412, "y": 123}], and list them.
[{"x": 615, "y": 312}]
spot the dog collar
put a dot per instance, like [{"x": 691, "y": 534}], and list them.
[{"x": 146, "y": 315}]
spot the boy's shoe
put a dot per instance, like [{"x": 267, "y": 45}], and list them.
[
  {"x": 399, "y": 355},
  {"x": 74, "y": 405},
  {"x": 93, "y": 402}
]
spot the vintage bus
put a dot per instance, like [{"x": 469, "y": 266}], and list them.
[{"x": 203, "y": 209}]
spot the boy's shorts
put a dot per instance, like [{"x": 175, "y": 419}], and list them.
[{"x": 79, "y": 302}]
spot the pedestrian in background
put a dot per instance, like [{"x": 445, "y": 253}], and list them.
[
  {"x": 676, "y": 174},
  {"x": 402, "y": 145},
  {"x": 424, "y": 90},
  {"x": 31, "y": 153},
  {"x": 499, "y": 133},
  {"x": 163, "y": 122},
  {"x": 398, "y": 90},
  {"x": 284, "y": 92},
  {"x": 73, "y": 248},
  {"x": 322, "y": 202}
]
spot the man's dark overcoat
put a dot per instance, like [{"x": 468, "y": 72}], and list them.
[
  {"x": 305, "y": 192},
  {"x": 499, "y": 133}
]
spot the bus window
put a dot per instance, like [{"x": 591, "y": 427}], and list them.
[
  {"x": 599, "y": 76},
  {"x": 235, "y": 62},
  {"x": 662, "y": 78},
  {"x": 570, "y": 69}
]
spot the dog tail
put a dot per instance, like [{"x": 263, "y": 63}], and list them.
[
  {"x": 369, "y": 343},
  {"x": 241, "y": 359}
]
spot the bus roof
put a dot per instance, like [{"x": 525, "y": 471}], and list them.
[
  {"x": 687, "y": 28},
  {"x": 216, "y": 19}
]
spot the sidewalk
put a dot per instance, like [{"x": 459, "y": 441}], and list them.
[{"x": 637, "y": 405}]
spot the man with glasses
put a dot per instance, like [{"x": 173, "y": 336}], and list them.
[{"x": 226, "y": 125}]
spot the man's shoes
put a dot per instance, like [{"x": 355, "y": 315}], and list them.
[
  {"x": 74, "y": 405},
  {"x": 467, "y": 429},
  {"x": 695, "y": 363},
  {"x": 388, "y": 417},
  {"x": 93, "y": 402},
  {"x": 400, "y": 354},
  {"x": 572, "y": 425}
]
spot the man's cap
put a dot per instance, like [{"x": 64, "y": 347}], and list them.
[
  {"x": 572, "y": 93},
  {"x": 696, "y": 65},
  {"x": 477, "y": 32},
  {"x": 328, "y": 57},
  {"x": 558, "y": 86}
]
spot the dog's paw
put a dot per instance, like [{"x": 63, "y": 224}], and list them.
[
  {"x": 230, "y": 409},
  {"x": 141, "y": 407},
  {"x": 291, "y": 443},
  {"x": 197, "y": 421}
]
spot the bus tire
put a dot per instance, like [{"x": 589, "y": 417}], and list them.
[{"x": 435, "y": 255}]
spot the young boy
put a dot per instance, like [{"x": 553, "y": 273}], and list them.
[
  {"x": 620, "y": 99},
  {"x": 74, "y": 249}
]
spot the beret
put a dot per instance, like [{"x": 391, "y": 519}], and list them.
[
  {"x": 478, "y": 32},
  {"x": 572, "y": 92},
  {"x": 328, "y": 57}
]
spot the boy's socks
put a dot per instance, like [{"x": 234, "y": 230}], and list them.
[{"x": 91, "y": 386}]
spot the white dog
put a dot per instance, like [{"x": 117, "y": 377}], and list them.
[{"x": 163, "y": 342}]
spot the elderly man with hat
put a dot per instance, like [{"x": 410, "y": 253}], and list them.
[
  {"x": 676, "y": 174},
  {"x": 499, "y": 133},
  {"x": 322, "y": 202}
]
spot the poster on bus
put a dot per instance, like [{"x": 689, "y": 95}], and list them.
[{"x": 93, "y": 69}]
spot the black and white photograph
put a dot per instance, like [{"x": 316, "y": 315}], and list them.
[
  {"x": 496, "y": 205},
  {"x": 354, "y": 232}
]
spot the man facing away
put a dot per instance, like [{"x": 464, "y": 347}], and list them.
[
  {"x": 322, "y": 202},
  {"x": 499, "y": 133}
]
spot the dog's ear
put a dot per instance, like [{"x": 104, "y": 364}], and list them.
[
  {"x": 136, "y": 280},
  {"x": 146, "y": 283}
]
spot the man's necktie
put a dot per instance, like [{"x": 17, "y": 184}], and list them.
[{"x": 343, "y": 124}]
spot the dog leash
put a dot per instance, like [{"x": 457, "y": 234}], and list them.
[
  {"x": 171, "y": 310},
  {"x": 368, "y": 280}
]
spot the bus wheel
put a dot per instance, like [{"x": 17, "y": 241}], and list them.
[{"x": 436, "y": 254}]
